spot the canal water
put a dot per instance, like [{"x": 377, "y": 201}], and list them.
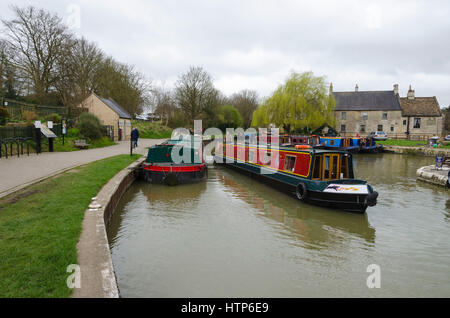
[{"x": 233, "y": 236}]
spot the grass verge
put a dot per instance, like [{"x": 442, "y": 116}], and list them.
[
  {"x": 408, "y": 143},
  {"x": 152, "y": 130},
  {"x": 40, "y": 227},
  {"x": 403, "y": 143}
]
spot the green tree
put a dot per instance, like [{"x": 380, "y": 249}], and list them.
[
  {"x": 228, "y": 117},
  {"x": 302, "y": 103}
]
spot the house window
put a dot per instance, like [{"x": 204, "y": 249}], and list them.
[
  {"x": 344, "y": 115},
  {"x": 365, "y": 116},
  {"x": 342, "y": 128},
  {"x": 416, "y": 123},
  {"x": 362, "y": 128},
  {"x": 404, "y": 122},
  {"x": 392, "y": 128},
  {"x": 289, "y": 163},
  {"x": 380, "y": 128},
  {"x": 384, "y": 116}
]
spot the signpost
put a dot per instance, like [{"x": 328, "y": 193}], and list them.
[
  {"x": 38, "y": 125},
  {"x": 64, "y": 130}
]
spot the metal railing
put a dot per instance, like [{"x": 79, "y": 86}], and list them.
[{"x": 7, "y": 146}]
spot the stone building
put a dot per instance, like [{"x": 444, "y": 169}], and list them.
[
  {"x": 361, "y": 112},
  {"x": 111, "y": 114},
  {"x": 421, "y": 116}
]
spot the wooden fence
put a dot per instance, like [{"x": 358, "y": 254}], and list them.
[{"x": 15, "y": 109}]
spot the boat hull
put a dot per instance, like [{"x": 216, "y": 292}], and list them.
[
  {"x": 174, "y": 174},
  {"x": 356, "y": 203}
]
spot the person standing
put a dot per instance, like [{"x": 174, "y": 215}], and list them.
[{"x": 135, "y": 137}]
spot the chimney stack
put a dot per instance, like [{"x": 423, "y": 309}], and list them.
[
  {"x": 396, "y": 89},
  {"x": 356, "y": 88},
  {"x": 411, "y": 94}
]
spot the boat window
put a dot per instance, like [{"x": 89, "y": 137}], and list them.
[
  {"x": 326, "y": 168},
  {"x": 344, "y": 167},
  {"x": 317, "y": 167},
  {"x": 334, "y": 166},
  {"x": 332, "y": 142},
  {"x": 265, "y": 157},
  {"x": 289, "y": 163},
  {"x": 251, "y": 156},
  {"x": 330, "y": 167}
]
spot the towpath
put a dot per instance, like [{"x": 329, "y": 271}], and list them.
[{"x": 17, "y": 173}]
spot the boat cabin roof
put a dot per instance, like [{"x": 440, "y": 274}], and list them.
[{"x": 309, "y": 150}]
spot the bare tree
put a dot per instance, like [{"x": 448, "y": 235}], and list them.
[
  {"x": 121, "y": 82},
  {"x": 246, "y": 102},
  {"x": 77, "y": 67},
  {"x": 163, "y": 102},
  {"x": 195, "y": 93},
  {"x": 36, "y": 37}
]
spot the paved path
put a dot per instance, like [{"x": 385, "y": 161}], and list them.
[{"x": 16, "y": 173}]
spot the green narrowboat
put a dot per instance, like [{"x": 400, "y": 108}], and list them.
[{"x": 175, "y": 161}]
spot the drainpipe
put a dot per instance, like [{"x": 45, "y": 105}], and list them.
[{"x": 407, "y": 128}]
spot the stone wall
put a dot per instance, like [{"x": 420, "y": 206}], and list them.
[
  {"x": 354, "y": 119},
  {"x": 98, "y": 279}
]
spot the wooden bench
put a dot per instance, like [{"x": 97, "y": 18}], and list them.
[{"x": 81, "y": 144}]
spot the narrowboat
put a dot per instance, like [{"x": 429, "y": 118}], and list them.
[
  {"x": 318, "y": 176},
  {"x": 341, "y": 143},
  {"x": 313, "y": 141},
  {"x": 160, "y": 166},
  {"x": 369, "y": 145}
]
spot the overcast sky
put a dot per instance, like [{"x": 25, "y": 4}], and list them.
[{"x": 256, "y": 44}]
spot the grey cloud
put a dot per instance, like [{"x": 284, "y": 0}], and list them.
[{"x": 256, "y": 43}]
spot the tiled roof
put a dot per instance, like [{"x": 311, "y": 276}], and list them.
[
  {"x": 366, "y": 100},
  {"x": 116, "y": 107},
  {"x": 420, "y": 106}
]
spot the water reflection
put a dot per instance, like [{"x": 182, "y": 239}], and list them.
[{"x": 313, "y": 225}]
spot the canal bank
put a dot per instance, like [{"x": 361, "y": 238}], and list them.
[
  {"x": 426, "y": 151},
  {"x": 98, "y": 279},
  {"x": 40, "y": 227}
]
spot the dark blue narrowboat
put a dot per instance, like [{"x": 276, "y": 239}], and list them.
[
  {"x": 369, "y": 145},
  {"x": 341, "y": 143}
]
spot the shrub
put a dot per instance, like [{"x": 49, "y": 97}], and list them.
[
  {"x": 73, "y": 132},
  {"x": 3, "y": 115},
  {"x": 55, "y": 118},
  {"x": 89, "y": 126}
]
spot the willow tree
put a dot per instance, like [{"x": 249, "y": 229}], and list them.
[{"x": 302, "y": 103}]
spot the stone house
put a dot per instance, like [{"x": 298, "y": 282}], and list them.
[
  {"x": 421, "y": 116},
  {"x": 116, "y": 119},
  {"x": 361, "y": 112}
]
